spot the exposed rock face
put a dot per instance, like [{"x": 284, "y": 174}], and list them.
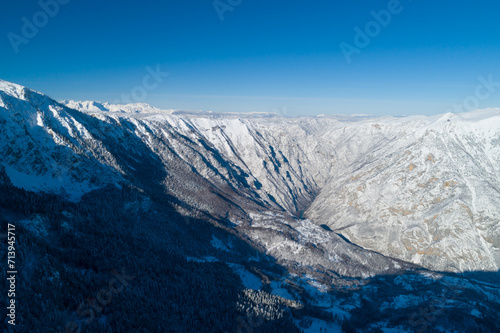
[
  {"x": 429, "y": 194},
  {"x": 291, "y": 223},
  {"x": 421, "y": 189}
]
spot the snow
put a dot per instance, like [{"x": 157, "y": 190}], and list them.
[
  {"x": 402, "y": 281},
  {"x": 96, "y": 107},
  {"x": 484, "y": 119},
  {"x": 62, "y": 185},
  {"x": 12, "y": 89},
  {"x": 36, "y": 225},
  {"x": 250, "y": 281},
  {"x": 424, "y": 189},
  {"x": 476, "y": 313},
  {"x": 279, "y": 290},
  {"x": 353, "y": 174},
  {"x": 315, "y": 284},
  {"x": 404, "y": 301},
  {"x": 218, "y": 244},
  {"x": 339, "y": 312}
]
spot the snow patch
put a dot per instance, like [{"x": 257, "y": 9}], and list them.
[
  {"x": 218, "y": 244},
  {"x": 46, "y": 183},
  {"x": 250, "y": 281}
]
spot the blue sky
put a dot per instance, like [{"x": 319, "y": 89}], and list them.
[{"x": 282, "y": 56}]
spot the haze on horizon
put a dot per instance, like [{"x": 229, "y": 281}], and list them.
[{"x": 350, "y": 57}]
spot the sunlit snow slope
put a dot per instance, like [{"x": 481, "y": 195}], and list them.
[{"x": 425, "y": 190}]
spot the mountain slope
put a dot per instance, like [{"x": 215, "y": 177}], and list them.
[
  {"x": 426, "y": 192},
  {"x": 421, "y": 189},
  {"x": 173, "y": 155},
  {"x": 320, "y": 219}
]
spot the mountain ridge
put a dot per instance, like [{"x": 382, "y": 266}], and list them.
[
  {"x": 300, "y": 219},
  {"x": 319, "y": 168}
]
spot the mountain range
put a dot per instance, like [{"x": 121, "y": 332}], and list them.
[{"x": 329, "y": 222}]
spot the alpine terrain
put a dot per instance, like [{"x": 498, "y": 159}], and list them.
[{"x": 130, "y": 218}]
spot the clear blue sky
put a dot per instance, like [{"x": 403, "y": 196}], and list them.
[{"x": 264, "y": 56}]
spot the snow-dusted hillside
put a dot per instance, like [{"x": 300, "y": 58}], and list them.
[
  {"x": 331, "y": 218},
  {"x": 91, "y": 106},
  {"x": 421, "y": 189},
  {"x": 43, "y": 147},
  {"x": 76, "y": 152},
  {"x": 426, "y": 190}
]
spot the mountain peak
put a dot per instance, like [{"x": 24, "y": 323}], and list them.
[
  {"x": 12, "y": 89},
  {"x": 12, "y": 93},
  {"x": 94, "y": 106}
]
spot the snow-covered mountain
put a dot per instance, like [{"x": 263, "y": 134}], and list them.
[
  {"x": 91, "y": 106},
  {"x": 421, "y": 189},
  {"x": 425, "y": 190},
  {"x": 333, "y": 200}
]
